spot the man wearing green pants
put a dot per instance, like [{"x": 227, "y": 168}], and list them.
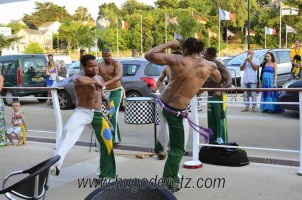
[
  {"x": 188, "y": 73},
  {"x": 217, "y": 120},
  {"x": 112, "y": 72}
]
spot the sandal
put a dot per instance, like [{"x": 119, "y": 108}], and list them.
[{"x": 20, "y": 143}]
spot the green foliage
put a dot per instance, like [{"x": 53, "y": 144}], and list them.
[
  {"x": 33, "y": 48},
  {"x": 86, "y": 37},
  {"x": 7, "y": 41},
  {"x": 45, "y": 12},
  {"x": 16, "y": 27},
  {"x": 81, "y": 14},
  {"x": 167, "y": 3},
  {"x": 68, "y": 33}
]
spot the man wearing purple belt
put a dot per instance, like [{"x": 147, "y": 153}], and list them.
[{"x": 188, "y": 73}]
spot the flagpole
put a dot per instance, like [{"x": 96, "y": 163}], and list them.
[
  {"x": 209, "y": 38},
  {"x": 264, "y": 37},
  {"x": 227, "y": 40},
  {"x": 219, "y": 33},
  {"x": 280, "y": 24},
  {"x": 286, "y": 38},
  {"x": 117, "y": 49},
  {"x": 166, "y": 29},
  {"x": 141, "y": 34},
  {"x": 96, "y": 40}
]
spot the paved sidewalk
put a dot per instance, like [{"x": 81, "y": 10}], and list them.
[{"x": 255, "y": 181}]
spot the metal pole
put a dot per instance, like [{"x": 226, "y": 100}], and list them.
[
  {"x": 166, "y": 28},
  {"x": 264, "y": 39},
  {"x": 300, "y": 109},
  {"x": 117, "y": 50},
  {"x": 248, "y": 25},
  {"x": 280, "y": 24},
  {"x": 219, "y": 33},
  {"x": 141, "y": 34},
  {"x": 286, "y": 39}
]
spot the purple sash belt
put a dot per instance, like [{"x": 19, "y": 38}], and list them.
[{"x": 205, "y": 132}]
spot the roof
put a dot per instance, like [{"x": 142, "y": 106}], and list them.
[
  {"x": 34, "y": 31},
  {"x": 46, "y": 24}
]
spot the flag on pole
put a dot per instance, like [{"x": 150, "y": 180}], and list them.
[
  {"x": 230, "y": 34},
  {"x": 289, "y": 11},
  {"x": 197, "y": 36},
  {"x": 252, "y": 33},
  {"x": 290, "y": 29},
  {"x": 225, "y": 15},
  {"x": 201, "y": 19},
  {"x": 172, "y": 20},
  {"x": 123, "y": 24},
  {"x": 212, "y": 34},
  {"x": 102, "y": 23},
  {"x": 177, "y": 36},
  {"x": 270, "y": 31}
]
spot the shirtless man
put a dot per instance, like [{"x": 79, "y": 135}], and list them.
[
  {"x": 188, "y": 73},
  {"x": 89, "y": 95},
  {"x": 112, "y": 72},
  {"x": 217, "y": 120}
]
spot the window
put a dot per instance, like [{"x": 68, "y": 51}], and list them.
[
  {"x": 32, "y": 65},
  {"x": 284, "y": 56},
  {"x": 153, "y": 70},
  {"x": 130, "y": 69},
  {"x": 8, "y": 68}
]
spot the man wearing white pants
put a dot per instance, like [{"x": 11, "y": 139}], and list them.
[{"x": 89, "y": 96}]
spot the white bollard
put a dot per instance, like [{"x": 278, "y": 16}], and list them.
[
  {"x": 58, "y": 116},
  {"x": 300, "y": 110},
  {"x": 195, "y": 163}
]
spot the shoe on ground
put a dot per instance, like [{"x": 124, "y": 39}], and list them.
[
  {"x": 20, "y": 143},
  {"x": 54, "y": 171},
  {"x": 245, "y": 110},
  {"x": 161, "y": 155},
  {"x": 174, "y": 189}
]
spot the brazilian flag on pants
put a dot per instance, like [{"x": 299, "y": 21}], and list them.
[{"x": 217, "y": 120}]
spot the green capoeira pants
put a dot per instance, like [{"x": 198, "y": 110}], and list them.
[
  {"x": 217, "y": 120},
  {"x": 177, "y": 147},
  {"x": 115, "y": 99},
  {"x": 103, "y": 134}
]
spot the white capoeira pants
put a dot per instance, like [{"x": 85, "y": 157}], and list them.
[{"x": 72, "y": 131}]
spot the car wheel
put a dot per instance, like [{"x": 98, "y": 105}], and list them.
[
  {"x": 64, "y": 100},
  {"x": 8, "y": 100},
  {"x": 133, "y": 94}
]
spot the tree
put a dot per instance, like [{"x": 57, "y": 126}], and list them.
[
  {"x": 16, "y": 27},
  {"x": 33, "y": 48},
  {"x": 7, "y": 42},
  {"x": 133, "y": 6},
  {"x": 167, "y": 3},
  {"x": 81, "y": 14},
  {"x": 86, "y": 37},
  {"x": 68, "y": 33},
  {"x": 45, "y": 12}
]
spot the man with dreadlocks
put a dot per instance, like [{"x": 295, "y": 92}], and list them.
[{"x": 188, "y": 73}]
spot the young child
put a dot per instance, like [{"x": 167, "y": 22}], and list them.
[{"x": 17, "y": 121}]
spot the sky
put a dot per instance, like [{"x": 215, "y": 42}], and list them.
[{"x": 16, "y": 10}]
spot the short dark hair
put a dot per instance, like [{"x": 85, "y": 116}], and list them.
[
  {"x": 16, "y": 101},
  {"x": 106, "y": 50},
  {"x": 212, "y": 52},
  {"x": 50, "y": 55},
  {"x": 176, "y": 52},
  {"x": 85, "y": 58},
  {"x": 192, "y": 45}
]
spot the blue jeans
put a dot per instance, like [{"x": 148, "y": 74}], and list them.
[{"x": 247, "y": 94}]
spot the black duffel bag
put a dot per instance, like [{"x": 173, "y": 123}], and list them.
[{"x": 234, "y": 157}]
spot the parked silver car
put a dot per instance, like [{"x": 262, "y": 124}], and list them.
[
  {"x": 139, "y": 77},
  {"x": 283, "y": 64}
]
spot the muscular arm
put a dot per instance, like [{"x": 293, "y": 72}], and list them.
[
  {"x": 157, "y": 55},
  {"x": 118, "y": 73},
  {"x": 85, "y": 80},
  {"x": 227, "y": 77}
]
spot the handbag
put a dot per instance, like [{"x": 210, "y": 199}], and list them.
[{"x": 53, "y": 77}]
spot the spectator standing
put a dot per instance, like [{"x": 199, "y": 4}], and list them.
[
  {"x": 295, "y": 58},
  {"x": 3, "y": 129},
  {"x": 268, "y": 79},
  {"x": 249, "y": 68}
]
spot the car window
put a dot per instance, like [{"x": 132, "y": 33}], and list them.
[
  {"x": 75, "y": 65},
  {"x": 130, "y": 69},
  {"x": 238, "y": 60},
  {"x": 8, "y": 68},
  {"x": 284, "y": 56},
  {"x": 32, "y": 65},
  {"x": 153, "y": 70}
]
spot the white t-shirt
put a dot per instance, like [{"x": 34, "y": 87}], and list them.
[{"x": 249, "y": 74}]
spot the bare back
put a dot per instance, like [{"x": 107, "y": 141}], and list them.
[
  {"x": 112, "y": 74},
  {"x": 87, "y": 95},
  {"x": 188, "y": 74}
]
